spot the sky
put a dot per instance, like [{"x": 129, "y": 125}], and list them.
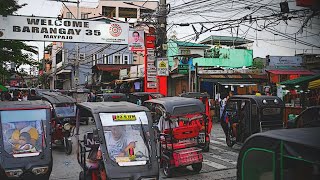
[{"x": 265, "y": 43}]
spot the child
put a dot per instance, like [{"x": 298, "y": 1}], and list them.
[{"x": 24, "y": 141}]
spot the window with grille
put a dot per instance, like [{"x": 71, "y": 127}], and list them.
[
  {"x": 94, "y": 59},
  {"x": 105, "y": 59},
  {"x": 117, "y": 59},
  {"x": 69, "y": 15},
  {"x": 84, "y": 15},
  {"x": 126, "y": 59}
]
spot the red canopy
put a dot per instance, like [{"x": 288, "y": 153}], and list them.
[{"x": 302, "y": 72}]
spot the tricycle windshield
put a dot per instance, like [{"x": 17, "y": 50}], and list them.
[
  {"x": 24, "y": 131},
  {"x": 127, "y": 137},
  {"x": 65, "y": 110}
]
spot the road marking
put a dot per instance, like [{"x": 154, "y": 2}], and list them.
[
  {"x": 224, "y": 151},
  {"x": 222, "y": 139},
  {"x": 218, "y": 142},
  {"x": 223, "y": 159},
  {"x": 214, "y": 165}
]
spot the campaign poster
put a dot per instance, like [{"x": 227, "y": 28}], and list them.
[{"x": 136, "y": 40}]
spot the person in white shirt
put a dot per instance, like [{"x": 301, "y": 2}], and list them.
[{"x": 118, "y": 143}]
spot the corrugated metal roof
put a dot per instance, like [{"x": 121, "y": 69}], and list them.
[
  {"x": 190, "y": 44},
  {"x": 225, "y": 40}
]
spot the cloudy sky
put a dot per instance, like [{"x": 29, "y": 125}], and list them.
[{"x": 277, "y": 39}]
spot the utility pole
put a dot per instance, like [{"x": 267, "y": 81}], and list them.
[
  {"x": 162, "y": 29},
  {"x": 77, "y": 63}
]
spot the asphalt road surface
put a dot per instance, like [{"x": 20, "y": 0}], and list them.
[{"x": 219, "y": 163}]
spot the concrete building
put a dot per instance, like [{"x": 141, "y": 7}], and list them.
[{"x": 63, "y": 55}]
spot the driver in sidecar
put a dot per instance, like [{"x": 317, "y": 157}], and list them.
[{"x": 119, "y": 143}]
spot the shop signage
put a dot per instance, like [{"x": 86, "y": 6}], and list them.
[
  {"x": 285, "y": 60},
  {"x": 123, "y": 73},
  {"x": 183, "y": 69},
  {"x": 133, "y": 71},
  {"x": 162, "y": 67},
  {"x": 65, "y": 30},
  {"x": 152, "y": 85},
  {"x": 151, "y": 70},
  {"x": 141, "y": 70}
]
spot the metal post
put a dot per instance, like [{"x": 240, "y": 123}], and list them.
[
  {"x": 162, "y": 34},
  {"x": 189, "y": 77},
  {"x": 76, "y": 66}
]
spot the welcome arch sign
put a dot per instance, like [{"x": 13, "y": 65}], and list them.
[{"x": 31, "y": 28}]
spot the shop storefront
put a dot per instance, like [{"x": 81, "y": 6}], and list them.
[{"x": 299, "y": 94}]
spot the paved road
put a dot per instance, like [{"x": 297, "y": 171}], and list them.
[{"x": 219, "y": 163}]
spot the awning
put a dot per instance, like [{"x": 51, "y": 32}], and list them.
[
  {"x": 64, "y": 71},
  {"x": 301, "y": 80},
  {"x": 177, "y": 75},
  {"x": 314, "y": 84},
  {"x": 301, "y": 72},
  {"x": 128, "y": 80},
  {"x": 237, "y": 84}
]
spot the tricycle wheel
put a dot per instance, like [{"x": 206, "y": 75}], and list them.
[
  {"x": 167, "y": 171},
  {"x": 229, "y": 141},
  {"x": 68, "y": 146},
  {"x": 197, "y": 167},
  {"x": 206, "y": 147}
]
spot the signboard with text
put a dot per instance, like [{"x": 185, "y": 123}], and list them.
[
  {"x": 65, "y": 30},
  {"x": 285, "y": 60},
  {"x": 151, "y": 70},
  {"x": 136, "y": 40},
  {"x": 162, "y": 67}
]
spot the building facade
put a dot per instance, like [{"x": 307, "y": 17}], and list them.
[{"x": 61, "y": 65}]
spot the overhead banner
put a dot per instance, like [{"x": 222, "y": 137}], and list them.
[
  {"x": 162, "y": 67},
  {"x": 136, "y": 40},
  {"x": 28, "y": 28}
]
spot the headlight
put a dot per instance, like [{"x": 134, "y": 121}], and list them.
[
  {"x": 67, "y": 126},
  {"x": 276, "y": 101},
  {"x": 40, "y": 170},
  {"x": 264, "y": 101},
  {"x": 14, "y": 172}
]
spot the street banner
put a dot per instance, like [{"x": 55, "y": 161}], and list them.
[
  {"x": 136, "y": 40},
  {"x": 162, "y": 67},
  {"x": 28, "y": 28}
]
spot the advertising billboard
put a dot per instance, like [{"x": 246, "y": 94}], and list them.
[
  {"x": 136, "y": 40},
  {"x": 62, "y": 30}
]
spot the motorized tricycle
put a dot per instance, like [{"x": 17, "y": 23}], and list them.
[
  {"x": 140, "y": 97},
  {"x": 204, "y": 98},
  {"x": 310, "y": 117},
  {"x": 63, "y": 120},
  {"x": 179, "y": 132},
  {"x": 245, "y": 115},
  {"x": 111, "y": 97},
  {"x": 122, "y": 145},
  {"x": 286, "y": 154},
  {"x": 25, "y": 147}
]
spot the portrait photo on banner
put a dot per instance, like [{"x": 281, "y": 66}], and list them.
[{"x": 136, "y": 40}]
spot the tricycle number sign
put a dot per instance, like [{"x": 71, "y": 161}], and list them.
[{"x": 124, "y": 117}]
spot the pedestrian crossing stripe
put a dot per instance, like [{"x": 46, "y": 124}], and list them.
[
  {"x": 223, "y": 159},
  {"x": 218, "y": 142},
  {"x": 224, "y": 151},
  {"x": 214, "y": 165}
]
